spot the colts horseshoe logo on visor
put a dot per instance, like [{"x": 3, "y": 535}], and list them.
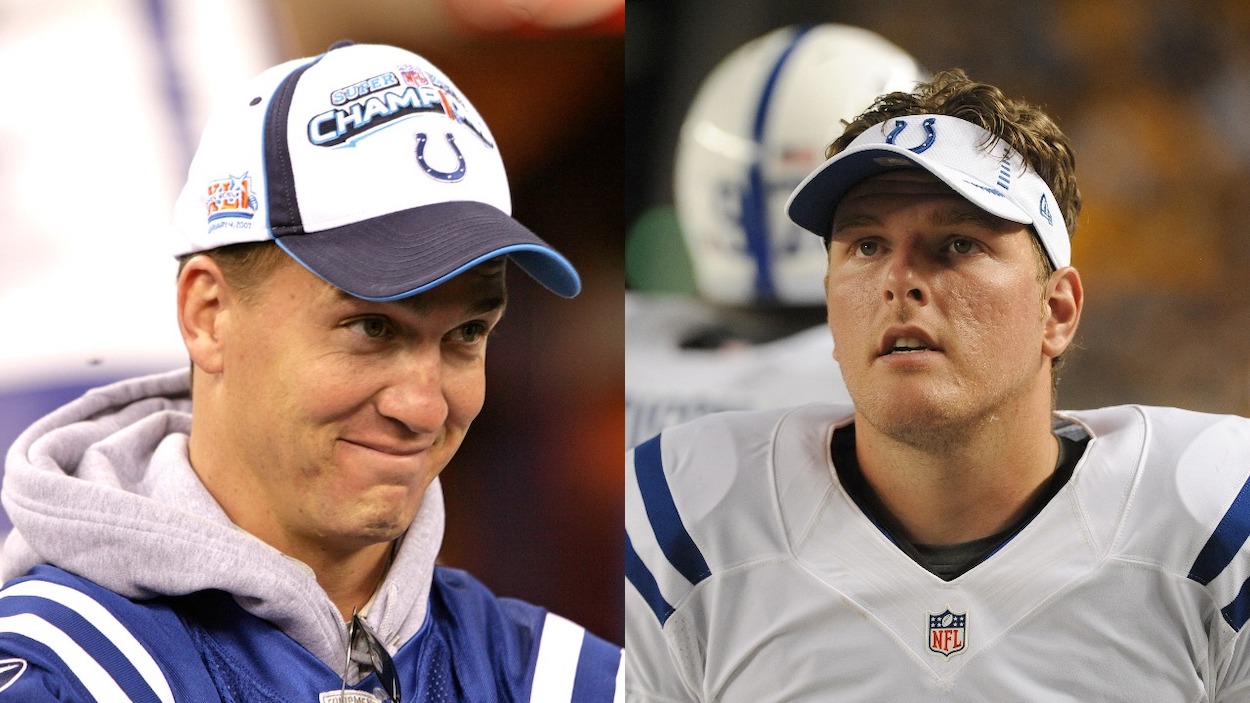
[{"x": 930, "y": 135}]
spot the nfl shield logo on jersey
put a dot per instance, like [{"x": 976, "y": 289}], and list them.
[{"x": 947, "y": 632}]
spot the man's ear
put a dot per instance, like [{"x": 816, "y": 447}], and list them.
[
  {"x": 1064, "y": 299},
  {"x": 203, "y": 309}
]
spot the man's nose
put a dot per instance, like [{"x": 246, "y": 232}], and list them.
[
  {"x": 906, "y": 276},
  {"x": 414, "y": 395}
]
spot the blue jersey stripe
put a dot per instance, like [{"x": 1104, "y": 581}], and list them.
[
  {"x": 596, "y": 671},
  {"x": 45, "y": 665},
  {"x": 85, "y": 635},
  {"x": 666, "y": 522},
  {"x": 644, "y": 582},
  {"x": 755, "y": 199},
  {"x": 1229, "y": 535},
  {"x": 1238, "y": 611}
]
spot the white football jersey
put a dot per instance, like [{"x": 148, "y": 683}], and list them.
[
  {"x": 754, "y": 577},
  {"x": 666, "y": 385}
]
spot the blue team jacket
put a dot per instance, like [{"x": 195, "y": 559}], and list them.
[{"x": 63, "y": 638}]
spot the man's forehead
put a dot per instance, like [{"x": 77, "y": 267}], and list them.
[
  {"x": 893, "y": 184},
  {"x": 862, "y": 202},
  {"x": 481, "y": 288},
  {"x": 900, "y": 181}
]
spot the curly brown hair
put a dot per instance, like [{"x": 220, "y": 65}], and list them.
[{"x": 1028, "y": 129}]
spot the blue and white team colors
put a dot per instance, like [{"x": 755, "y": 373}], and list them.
[
  {"x": 754, "y": 577},
  {"x": 125, "y": 581},
  {"x": 64, "y": 638}
]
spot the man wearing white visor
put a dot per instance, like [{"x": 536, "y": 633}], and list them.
[
  {"x": 949, "y": 536},
  {"x": 266, "y": 527}
]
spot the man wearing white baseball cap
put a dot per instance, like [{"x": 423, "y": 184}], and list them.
[
  {"x": 949, "y": 535},
  {"x": 266, "y": 527}
]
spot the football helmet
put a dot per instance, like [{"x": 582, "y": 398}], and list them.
[{"x": 759, "y": 123}]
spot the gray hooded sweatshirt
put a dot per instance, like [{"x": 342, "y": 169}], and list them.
[{"x": 102, "y": 488}]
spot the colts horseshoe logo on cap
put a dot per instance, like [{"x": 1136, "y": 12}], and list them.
[
  {"x": 445, "y": 176},
  {"x": 930, "y": 135}
]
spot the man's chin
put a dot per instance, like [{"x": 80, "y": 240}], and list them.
[
  {"x": 362, "y": 536},
  {"x": 911, "y": 418},
  {"x": 388, "y": 522},
  {"x": 379, "y": 522}
]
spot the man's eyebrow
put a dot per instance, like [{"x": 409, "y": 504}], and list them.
[
  {"x": 864, "y": 220},
  {"x": 486, "y": 302},
  {"x": 966, "y": 215},
  {"x": 945, "y": 217},
  {"x": 490, "y": 289},
  {"x": 484, "y": 299}
]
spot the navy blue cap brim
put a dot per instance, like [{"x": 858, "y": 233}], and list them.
[
  {"x": 405, "y": 253},
  {"x": 814, "y": 201}
]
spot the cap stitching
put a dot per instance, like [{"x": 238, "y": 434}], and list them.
[{"x": 279, "y": 173}]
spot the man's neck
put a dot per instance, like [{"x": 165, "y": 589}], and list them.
[
  {"x": 349, "y": 580},
  {"x": 960, "y": 490}
]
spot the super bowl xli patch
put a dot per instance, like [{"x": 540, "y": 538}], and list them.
[{"x": 230, "y": 202}]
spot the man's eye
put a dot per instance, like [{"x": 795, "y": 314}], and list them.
[
  {"x": 471, "y": 332},
  {"x": 868, "y": 248},
  {"x": 963, "y": 246},
  {"x": 373, "y": 327}
]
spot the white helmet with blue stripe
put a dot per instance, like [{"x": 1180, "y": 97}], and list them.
[{"x": 758, "y": 125}]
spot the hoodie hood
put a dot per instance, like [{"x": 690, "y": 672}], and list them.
[{"x": 103, "y": 488}]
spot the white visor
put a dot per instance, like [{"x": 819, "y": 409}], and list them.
[{"x": 977, "y": 165}]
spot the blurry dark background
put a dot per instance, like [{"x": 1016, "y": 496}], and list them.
[
  {"x": 1155, "y": 95},
  {"x": 534, "y": 498}
]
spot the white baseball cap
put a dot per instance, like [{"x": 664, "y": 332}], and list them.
[
  {"x": 369, "y": 167},
  {"x": 976, "y": 164}
]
